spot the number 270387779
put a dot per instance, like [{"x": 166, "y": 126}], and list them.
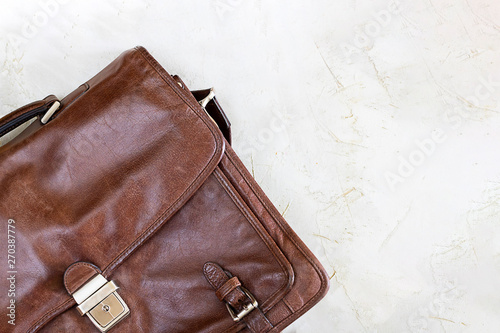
[
  {"x": 11, "y": 247},
  {"x": 11, "y": 270}
]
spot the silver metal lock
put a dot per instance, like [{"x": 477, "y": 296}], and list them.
[{"x": 99, "y": 300}]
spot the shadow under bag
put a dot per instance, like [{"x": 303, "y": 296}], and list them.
[{"x": 125, "y": 209}]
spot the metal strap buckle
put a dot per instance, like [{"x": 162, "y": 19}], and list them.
[
  {"x": 99, "y": 300},
  {"x": 246, "y": 309}
]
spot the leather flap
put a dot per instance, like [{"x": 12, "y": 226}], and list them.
[{"x": 110, "y": 169}]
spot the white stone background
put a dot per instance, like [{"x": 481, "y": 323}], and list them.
[{"x": 372, "y": 125}]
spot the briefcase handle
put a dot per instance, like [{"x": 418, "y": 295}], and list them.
[{"x": 44, "y": 110}]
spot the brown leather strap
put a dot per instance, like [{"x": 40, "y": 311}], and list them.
[
  {"x": 227, "y": 287},
  {"x": 18, "y": 117},
  {"x": 233, "y": 294},
  {"x": 216, "y": 276},
  {"x": 257, "y": 322},
  {"x": 79, "y": 273}
]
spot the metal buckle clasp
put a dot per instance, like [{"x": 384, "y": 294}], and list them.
[
  {"x": 99, "y": 300},
  {"x": 246, "y": 309}
]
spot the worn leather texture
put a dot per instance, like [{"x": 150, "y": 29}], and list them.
[{"x": 133, "y": 180}]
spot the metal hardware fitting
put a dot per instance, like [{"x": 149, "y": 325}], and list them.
[
  {"x": 99, "y": 300},
  {"x": 207, "y": 99},
  {"x": 246, "y": 309},
  {"x": 46, "y": 117}
]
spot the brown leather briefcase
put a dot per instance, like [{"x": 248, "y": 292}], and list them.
[{"x": 124, "y": 208}]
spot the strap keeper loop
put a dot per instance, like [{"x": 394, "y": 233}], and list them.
[{"x": 227, "y": 287}]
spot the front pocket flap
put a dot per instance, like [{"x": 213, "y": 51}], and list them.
[{"x": 102, "y": 177}]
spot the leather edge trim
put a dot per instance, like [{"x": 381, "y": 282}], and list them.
[
  {"x": 219, "y": 150},
  {"x": 211, "y": 165},
  {"x": 51, "y": 314},
  {"x": 299, "y": 244},
  {"x": 278, "y": 255}
]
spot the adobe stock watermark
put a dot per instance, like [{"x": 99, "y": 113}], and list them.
[
  {"x": 447, "y": 294},
  {"x": 363, "y": 38},
  {"x": 222, "y": 7},
  {"x": 428, "y": 146},
  {"x": 264, "y": 137},
  {"x": 48, "y": 9},
  {"x": 483, "y": 91},
  {"x": 11, "y": 272},
  {"x": 417, "y": 157}
]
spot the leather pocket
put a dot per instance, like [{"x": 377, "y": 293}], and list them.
[{"x": 163, "y": 280}]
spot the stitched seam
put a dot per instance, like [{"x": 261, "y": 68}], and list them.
[
  {"x": 276, "y": 219},
  {"x": 261, "y": 235},
  {"x": 160, "y": 220},
  {"x": 34, "y": 327},
  {"x": 322, "y": 288},
  {"x": 288, "y": 306},
  {"x": 154, "y": 226},
  {"x": 264, "y": 236},
  {"x": 69, "y": 299}
]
